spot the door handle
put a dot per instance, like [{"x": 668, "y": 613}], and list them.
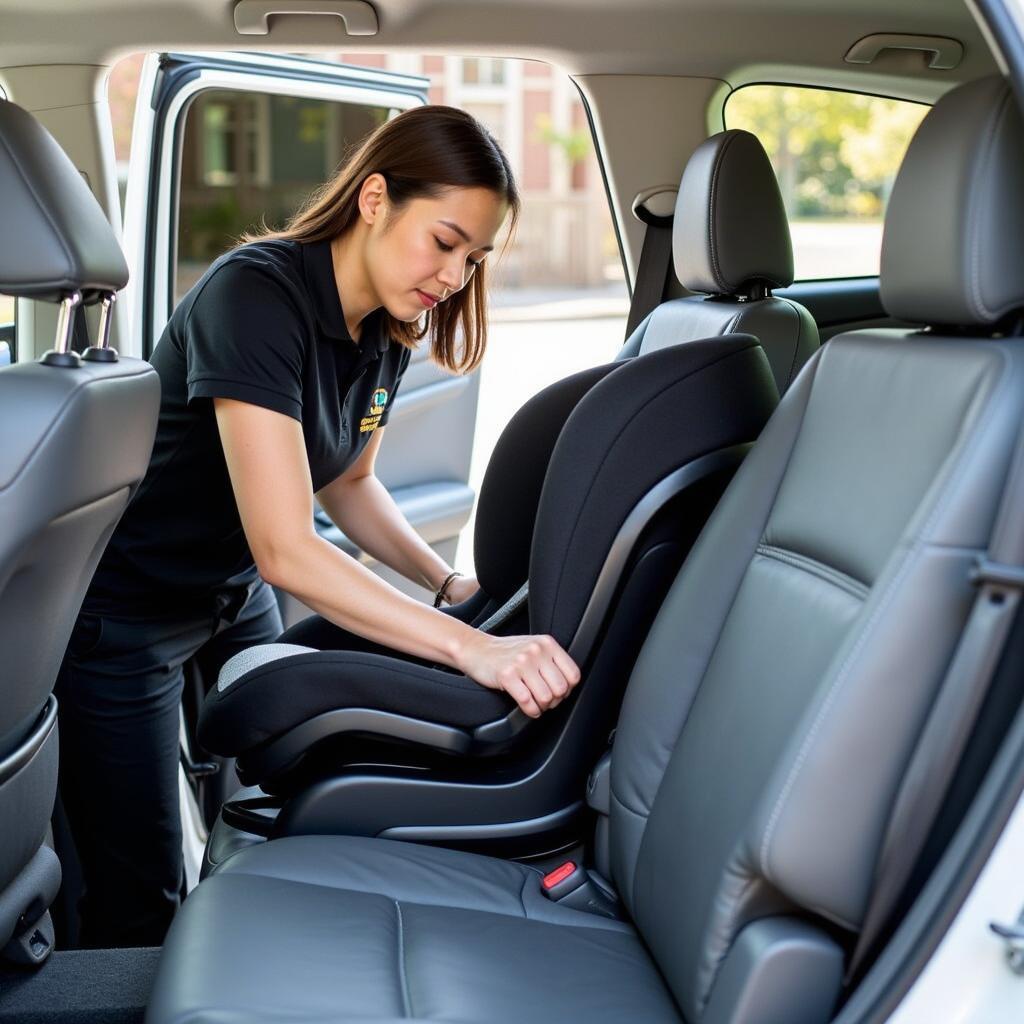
[{"x": 252, "y": 17}]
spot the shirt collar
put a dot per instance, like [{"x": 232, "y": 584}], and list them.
[{"x": 330, "y": 317}]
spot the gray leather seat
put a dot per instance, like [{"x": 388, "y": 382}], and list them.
[
  {"x": 731, "y": 244},
  {"x": 77, "y": 436},
  {"x": 770, "y": 715}
]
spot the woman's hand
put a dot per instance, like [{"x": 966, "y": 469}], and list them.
[
  {"x": 462, "y": 588},
  {"x": 533, "y": 670}
]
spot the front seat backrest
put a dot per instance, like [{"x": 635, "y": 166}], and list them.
[
  {"x": 785, "y": 681},
  {"x": 77, "y": 438},
  {"x": 731, "y": 243}
]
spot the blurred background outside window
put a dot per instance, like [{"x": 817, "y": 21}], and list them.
[{"x": 836, "y": 155}]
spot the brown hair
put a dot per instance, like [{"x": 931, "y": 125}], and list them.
[{"x": 419, "y": 153}]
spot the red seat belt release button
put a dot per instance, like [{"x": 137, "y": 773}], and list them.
[
  {"x": 563, "y": 880},
  {"x": 560, "y": 874}
]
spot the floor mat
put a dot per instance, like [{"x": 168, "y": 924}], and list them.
[{"x": 80, "y": 986}]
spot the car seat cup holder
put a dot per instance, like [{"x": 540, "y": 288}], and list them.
[
  {"x": 61, "y": 354},
  {"x": 102, "y": 352}
]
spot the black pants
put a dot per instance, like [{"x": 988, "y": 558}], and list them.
[{"x": 119, "y": 692}]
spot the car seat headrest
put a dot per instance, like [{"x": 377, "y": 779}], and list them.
[
  {"x": 953, "y": 245},
  {"x": 730, "y": 235},
  {"x": 54, "y": 237}
]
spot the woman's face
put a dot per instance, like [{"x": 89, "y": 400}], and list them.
[{"x": 429, "y": 249}]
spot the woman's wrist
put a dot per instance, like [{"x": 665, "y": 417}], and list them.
[
  {"x": 459, "y": 641},
  {"x": 433, "y": 574},
  {"x": 441, "y": 594}
]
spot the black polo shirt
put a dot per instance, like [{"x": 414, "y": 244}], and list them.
[{"x": 263, "y": 325}]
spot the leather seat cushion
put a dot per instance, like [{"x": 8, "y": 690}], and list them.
[
  {"x": 269, "y": 700},
  {"x": 329, "y": 928}
]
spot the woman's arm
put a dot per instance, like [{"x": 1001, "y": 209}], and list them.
[
  {"x": 266, "y": 460},
  {"x": 366, "y": 513}
]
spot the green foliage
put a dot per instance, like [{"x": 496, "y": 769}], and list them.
[
  {"x": 212, "y": 228},
  {"x": 575, "y": 145},
  {"x": 835, "y": 153}
]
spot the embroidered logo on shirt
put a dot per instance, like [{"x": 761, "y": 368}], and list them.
[{"x": 377, "y": 404}]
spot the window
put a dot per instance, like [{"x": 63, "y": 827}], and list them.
[
  {"x": 250, "y": 159},
  {"x": 7, "y": 330},
  {"x": 836, "y": 155},
  {"x": 483, "y": 71}
]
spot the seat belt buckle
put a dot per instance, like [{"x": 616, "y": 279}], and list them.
[
  {"x": 571, "y": 885},
  {"x": 561, "y": 881}
]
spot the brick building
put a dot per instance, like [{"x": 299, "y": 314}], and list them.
[{"x": 564, "y": 238}]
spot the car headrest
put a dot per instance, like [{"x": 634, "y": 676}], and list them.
[
  {"x": 953, "y": 246},
  {"x": 730, "y": 233},
  {"x": 54, "y": 237}
]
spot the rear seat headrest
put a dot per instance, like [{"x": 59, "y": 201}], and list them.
[
  {"x": 953, "y": 248},
  {"x": 730, "y": 233},
  {"x": 54, "y": 237}
]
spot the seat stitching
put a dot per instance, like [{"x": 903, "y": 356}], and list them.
[
  {"x": 733, "y": 931},
  {"x": 796, "y": 347},
  {"x": 828, "y": 573},
  {"x": 490, "y": 912},
  {"x": 712, "y": 252},
  {"x": 403, "y": 980},
  {"x": 909, "y": 559},
  {"x": 625, "y": 806},
  {"x": 973, "y": 222},
  {"x": 522, "y": 896}
]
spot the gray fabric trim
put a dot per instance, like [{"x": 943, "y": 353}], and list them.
[
  {"x": 254, "y": 657},
  {"x": 506, "y": 611}
]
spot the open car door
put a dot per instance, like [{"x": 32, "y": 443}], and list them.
[{"x": 226, "y": 142}]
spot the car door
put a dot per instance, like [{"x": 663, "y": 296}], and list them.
[{"x": 225, "y": 142}]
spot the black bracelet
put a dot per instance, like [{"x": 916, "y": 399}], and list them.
[{"x": 440, "y": 595}]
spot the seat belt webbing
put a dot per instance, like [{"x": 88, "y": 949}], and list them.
[
  {"x": 501, "y": 615},
  {"x": 1000, "y": 576},
  {"x": 654, "y": 268}
]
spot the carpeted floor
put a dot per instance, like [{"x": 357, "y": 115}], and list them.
[{"x": 103, "y": 986}]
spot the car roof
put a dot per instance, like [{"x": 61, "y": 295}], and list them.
[{"x": 734, "y": 40}]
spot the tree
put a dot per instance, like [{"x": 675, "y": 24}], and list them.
[{"x": 835, "y": 153}]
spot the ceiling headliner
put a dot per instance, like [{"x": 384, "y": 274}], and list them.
[{"x": 707, "y": 38}]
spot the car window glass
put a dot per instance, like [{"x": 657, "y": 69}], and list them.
[
  {"x": 836, "y": 155},
  {"x": 8, "y": 313},
  {"x": 251, "y": 159},
  {"x": 7, "y": 330}
]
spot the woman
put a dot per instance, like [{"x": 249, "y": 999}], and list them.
[{"x": 279, "y": 370}]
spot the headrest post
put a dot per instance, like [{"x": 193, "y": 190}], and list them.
[
  {"x": 101, "y": 351},
  {"x": 61, "y": 354},
  {"x": 106, "y": 308},
  {"x": 65, "y": 322}
]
